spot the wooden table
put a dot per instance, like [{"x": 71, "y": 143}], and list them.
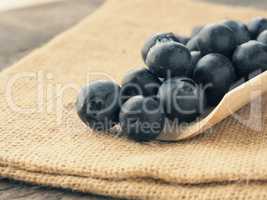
[
  {"x": 16, "y": 190},
  {"x": 23, "y": 30}
]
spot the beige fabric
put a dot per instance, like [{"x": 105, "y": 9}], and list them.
[{"x": 227, "y": 163}]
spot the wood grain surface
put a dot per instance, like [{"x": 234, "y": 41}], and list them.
[
  {"x": 17, "y": 190},
  {"x": 261, "y": 4},
  {"x": 15, "y": 4},
  {"x": 23, "y": 30}
]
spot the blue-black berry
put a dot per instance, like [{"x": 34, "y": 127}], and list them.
[
  {"x": 181, "y": 99},
  {"x": 182, "y": 39},
  {"x": 169, "y": 59},
  {"x": 98, "y": 104},
  {"x": 139, "y": 82},
  {"x": 256, "y": 26},
  {"x": 141, "y": 118},
  {"x": 250, "y": 57},
  {"x": 216, "y": 38},
  {"x": 216, "y": 74},
  {"x": 240, "y": 31},
  {"x": 196, "y": 56},
  {"x": 192, "y": 44},
  {"x": 263, "y": 37},
  {"x": 156, "y": 38}
]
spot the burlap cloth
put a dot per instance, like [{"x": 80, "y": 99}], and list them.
[{"x": 40, "y": 147}]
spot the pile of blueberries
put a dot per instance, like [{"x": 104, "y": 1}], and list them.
[{"x": 184, "y": 77}]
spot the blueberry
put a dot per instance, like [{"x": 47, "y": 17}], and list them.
[
  {"x": 181, "y": 99},
  {"x": 216, "y": 38},
  {"x": 263, "y": 37},
  {"x": 154, "y": 39},
  {"x": 169, "y": 59},
  {"x": 196, "y": 30},
  {"x": 98, "y": 104},
  {"x": 141, "y": 118},
  {"x": 256, "y": 26},
  {"x": 196, "y": 55},
  {"x": 215, "y": 73},
  {"x": 182, "y": 39},
  {"x": 249, "y": 57},
  {"x": 192, "y": 44},
  {"x": 139, "y": 82},
  {"x": 240, "y": 31}
]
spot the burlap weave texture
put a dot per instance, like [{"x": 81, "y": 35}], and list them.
[{"x": 50, "y": 146}]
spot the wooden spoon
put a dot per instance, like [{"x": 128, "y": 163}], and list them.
[{"x": 232, "y": 102}]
